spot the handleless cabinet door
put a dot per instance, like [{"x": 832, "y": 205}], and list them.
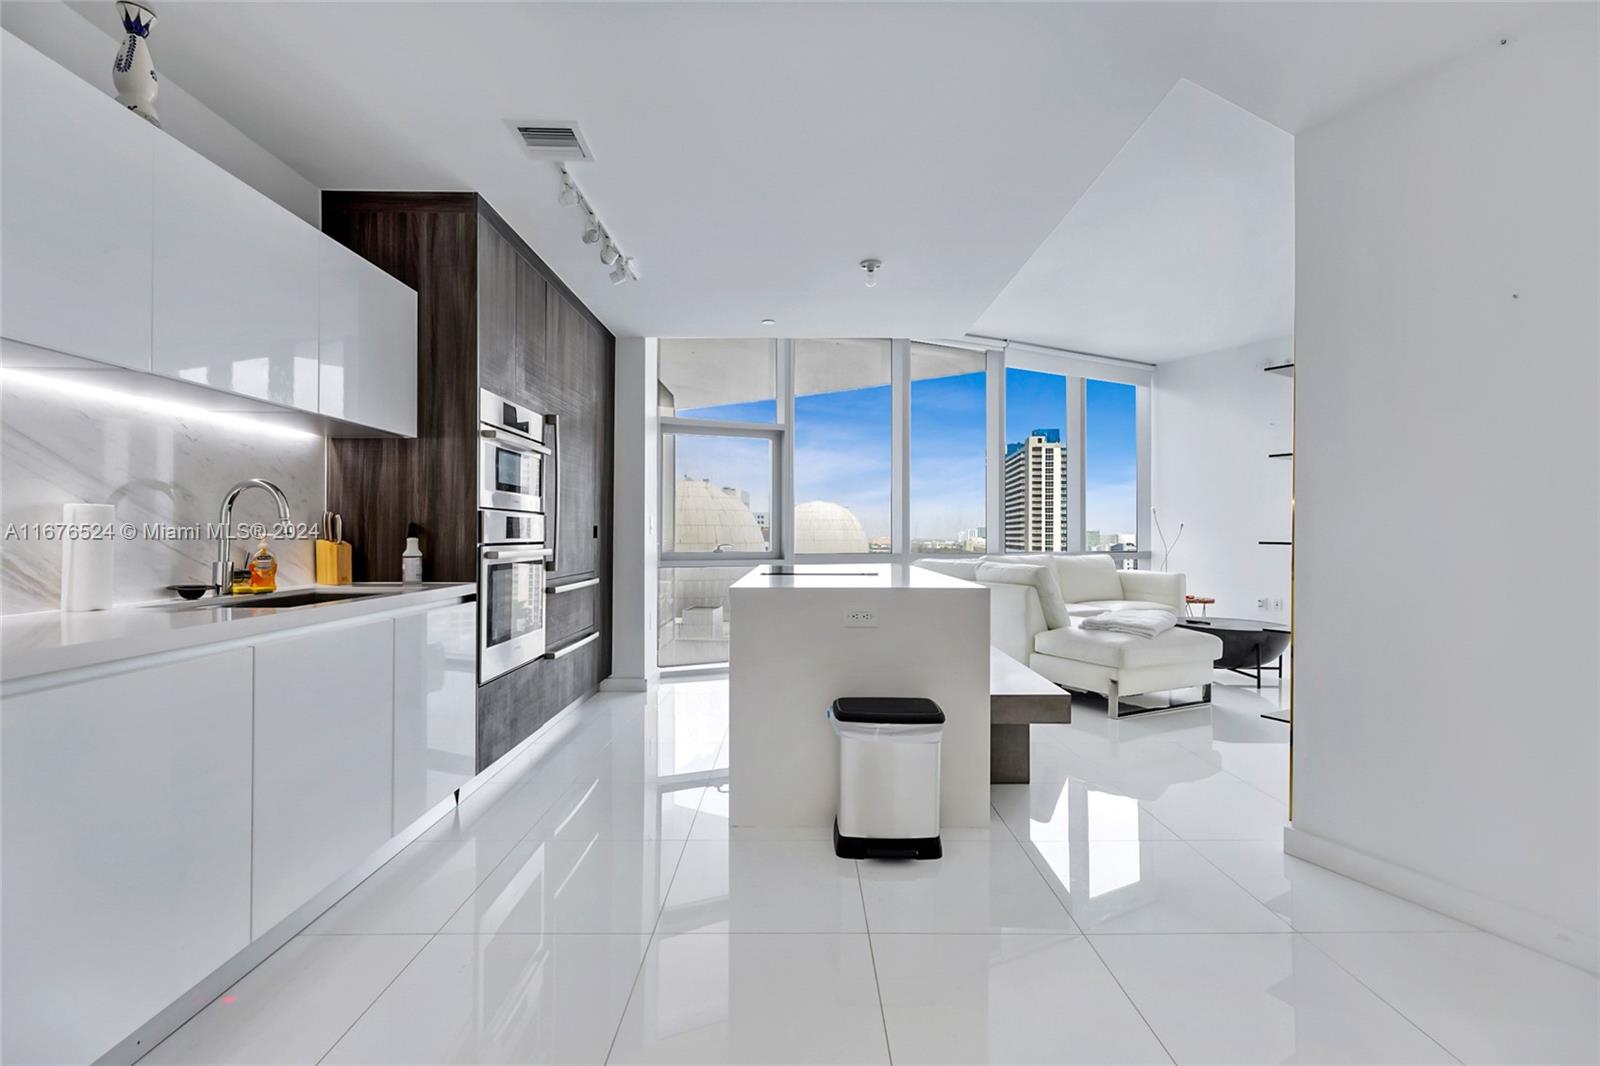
[
  {"x": 435, "y": 694},
  {"x": 75, "y": 222},
  {"x": 324, "y": 760},
  {"x": 126, "y": 805},
  {"x": 235, "y": 284},
  {"x": 367, "y": 348},
  {"x": 497, "y": 312}
]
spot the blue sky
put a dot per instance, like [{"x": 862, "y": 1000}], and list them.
[{"x": 842, "y": 449}]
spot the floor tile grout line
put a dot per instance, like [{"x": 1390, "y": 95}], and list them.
[
  {"x": 374, "y": 1001},
  {"x": 1125, "y": 995},
  {"x": 650, "y": 942},
  {"x": 872, "y": 954},
  {"x": 1376, "y": 994}
]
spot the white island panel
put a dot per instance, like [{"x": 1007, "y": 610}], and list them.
[{"x": 793, "y": 654}]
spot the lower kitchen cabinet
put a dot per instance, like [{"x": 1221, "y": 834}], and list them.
[
  {"x": 324, "y": 751},
  {"x": 435, "y": 690},
  {"x": 126, "y": 820}
]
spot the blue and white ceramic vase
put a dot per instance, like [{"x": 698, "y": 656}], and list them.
[{"x": 133, "y": 72}]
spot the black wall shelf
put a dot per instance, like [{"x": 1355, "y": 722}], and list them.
[
  {"x": 1280, "y": 455},
  {"x": 1286, "y": 369},
  {"x": 1285, "y": 543}
]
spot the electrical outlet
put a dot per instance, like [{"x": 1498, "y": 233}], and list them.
[
  {"x": 860, "y": 618},
  {"x": 1277, "y": 605},
  {"x": 1264, "y": 603}
]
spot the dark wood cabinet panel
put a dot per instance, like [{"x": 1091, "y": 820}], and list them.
[
  {"x": 568, "y": 614},
  {"x": 499, "y": 367},
  {"x": 490, "y": 313}
]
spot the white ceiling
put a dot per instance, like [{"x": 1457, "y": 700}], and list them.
[
  {"x": 750, "y": 154},
  {"x": 1183, "y": 245}
]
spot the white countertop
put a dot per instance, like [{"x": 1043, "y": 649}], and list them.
[
  {"x": 849, "y": 576},
  {"x": 46, "y": 642}
]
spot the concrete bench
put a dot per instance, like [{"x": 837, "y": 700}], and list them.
[{"x": 1018, "y": 698}]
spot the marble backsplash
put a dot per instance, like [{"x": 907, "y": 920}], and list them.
[{"x": 156, "y": 467}]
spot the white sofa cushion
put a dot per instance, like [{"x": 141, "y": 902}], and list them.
[
  {"x": 1087, "y": 577},
  {"x": 965, "y": 569},
  {"x": 1123, "y": 651},
  {"x": 1040, "y": 578},
  {"x": 1093, "y": 607}
]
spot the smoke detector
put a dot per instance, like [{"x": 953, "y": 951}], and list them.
[{"x": 553, "y": 139}]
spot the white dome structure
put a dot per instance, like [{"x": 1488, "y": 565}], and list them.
[
  {"x": 823, "y": 528},
  {"x": 708, "y": 519}
]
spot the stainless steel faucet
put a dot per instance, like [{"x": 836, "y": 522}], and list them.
[{"x": 222, "y": 569}]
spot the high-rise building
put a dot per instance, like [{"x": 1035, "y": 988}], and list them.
[{"x": 1036, "y": 493}]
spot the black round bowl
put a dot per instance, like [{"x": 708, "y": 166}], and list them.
[{"x": 190, "y": 592}]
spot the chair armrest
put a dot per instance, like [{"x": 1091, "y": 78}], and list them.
[
  {"x": 1015, "y": 618},
  {"x": 1154, "y": 586}
]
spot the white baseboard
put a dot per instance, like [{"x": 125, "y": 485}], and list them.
[
  {"x": 1502, "y": 919},
  {"x": 625, "y": 684}
]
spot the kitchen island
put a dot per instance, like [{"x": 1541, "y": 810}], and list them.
[{"x": 806, "y": 635}]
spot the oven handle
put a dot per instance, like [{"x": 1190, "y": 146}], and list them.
[
  {"x": 514, "y": 554},
  {"x": 512, "y": 441},
  {"x": 552, "y": 485}
]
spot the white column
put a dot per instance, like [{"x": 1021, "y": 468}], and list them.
[
  {"x": 1074, "y": 439},
  {"x": 637, "y": 503},
  {"x": 995, "y": 420},
  {"x": 900, "y": 447}
]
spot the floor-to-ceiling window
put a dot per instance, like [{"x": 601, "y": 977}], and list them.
[
  {"x": 949, "y": 443},
  {"x": 721, "y": 447},
  {"x": 1110, "y": 467},
  {"x": 843, "y": 442},
  {"x": 1035, "y": 468},
  {"x": 806, "y": 450}
]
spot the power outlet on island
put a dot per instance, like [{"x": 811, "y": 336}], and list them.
[{"x": 860, "y": 618}]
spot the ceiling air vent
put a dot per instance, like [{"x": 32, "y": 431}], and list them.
[{"x": 553, "y": 140}]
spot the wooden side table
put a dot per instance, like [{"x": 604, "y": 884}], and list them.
[{"x": 1190, "y": 601}]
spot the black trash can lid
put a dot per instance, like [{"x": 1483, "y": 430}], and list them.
[{"x": 894, "y": 710}]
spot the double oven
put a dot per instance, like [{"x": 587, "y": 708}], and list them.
[{"x": 516, "y": 532}]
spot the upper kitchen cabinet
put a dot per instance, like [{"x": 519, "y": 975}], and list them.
[
  {"x": 367, "y": 345},
  {"x": 75, "y": 213},
  {"x": 235, "y": 284}
]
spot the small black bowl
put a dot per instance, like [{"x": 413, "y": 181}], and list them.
[{"x": 190, "y": 592}]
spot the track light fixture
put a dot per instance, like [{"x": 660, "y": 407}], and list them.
[
  {"x": 570, "y": 197},
  {"x": 594, "y": 232}
]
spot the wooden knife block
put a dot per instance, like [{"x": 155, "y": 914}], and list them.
[{"x": 333, "y": 562}]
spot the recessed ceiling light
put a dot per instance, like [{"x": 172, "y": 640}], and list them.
[{"x": 769, "y": 322}]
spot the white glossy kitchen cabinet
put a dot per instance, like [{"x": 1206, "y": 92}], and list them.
[
  {"x": 235, "y": 284},
  {"x": 435, "y": 707},
  {"x": 324, "y": 750},
  {"x": 126, "y": 805},
  {"x": 75, "y": 221},
  {"x": 368, "y": 343}
]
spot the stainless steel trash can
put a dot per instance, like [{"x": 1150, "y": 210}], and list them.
[{"x": 888, "y": 777}]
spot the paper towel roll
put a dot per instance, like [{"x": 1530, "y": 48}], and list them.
[{"x": 86, "y": 556}]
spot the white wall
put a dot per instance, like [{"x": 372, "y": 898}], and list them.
[
  {"x": 1217, "y": 417},
  {"x": 635, "y": 504},
  {"x": 87, "y": 48},
  {"x": 1446, "y": 697}
]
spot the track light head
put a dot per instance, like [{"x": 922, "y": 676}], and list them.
[
  {"x": 619, "y": 273},
  {"x": 592, "y": 230},
  {"x": 569, "y": 192},
  {"x": 609, "y": 251}
]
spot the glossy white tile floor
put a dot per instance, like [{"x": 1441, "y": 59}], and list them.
[{"x": 1131, "y": 905}]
